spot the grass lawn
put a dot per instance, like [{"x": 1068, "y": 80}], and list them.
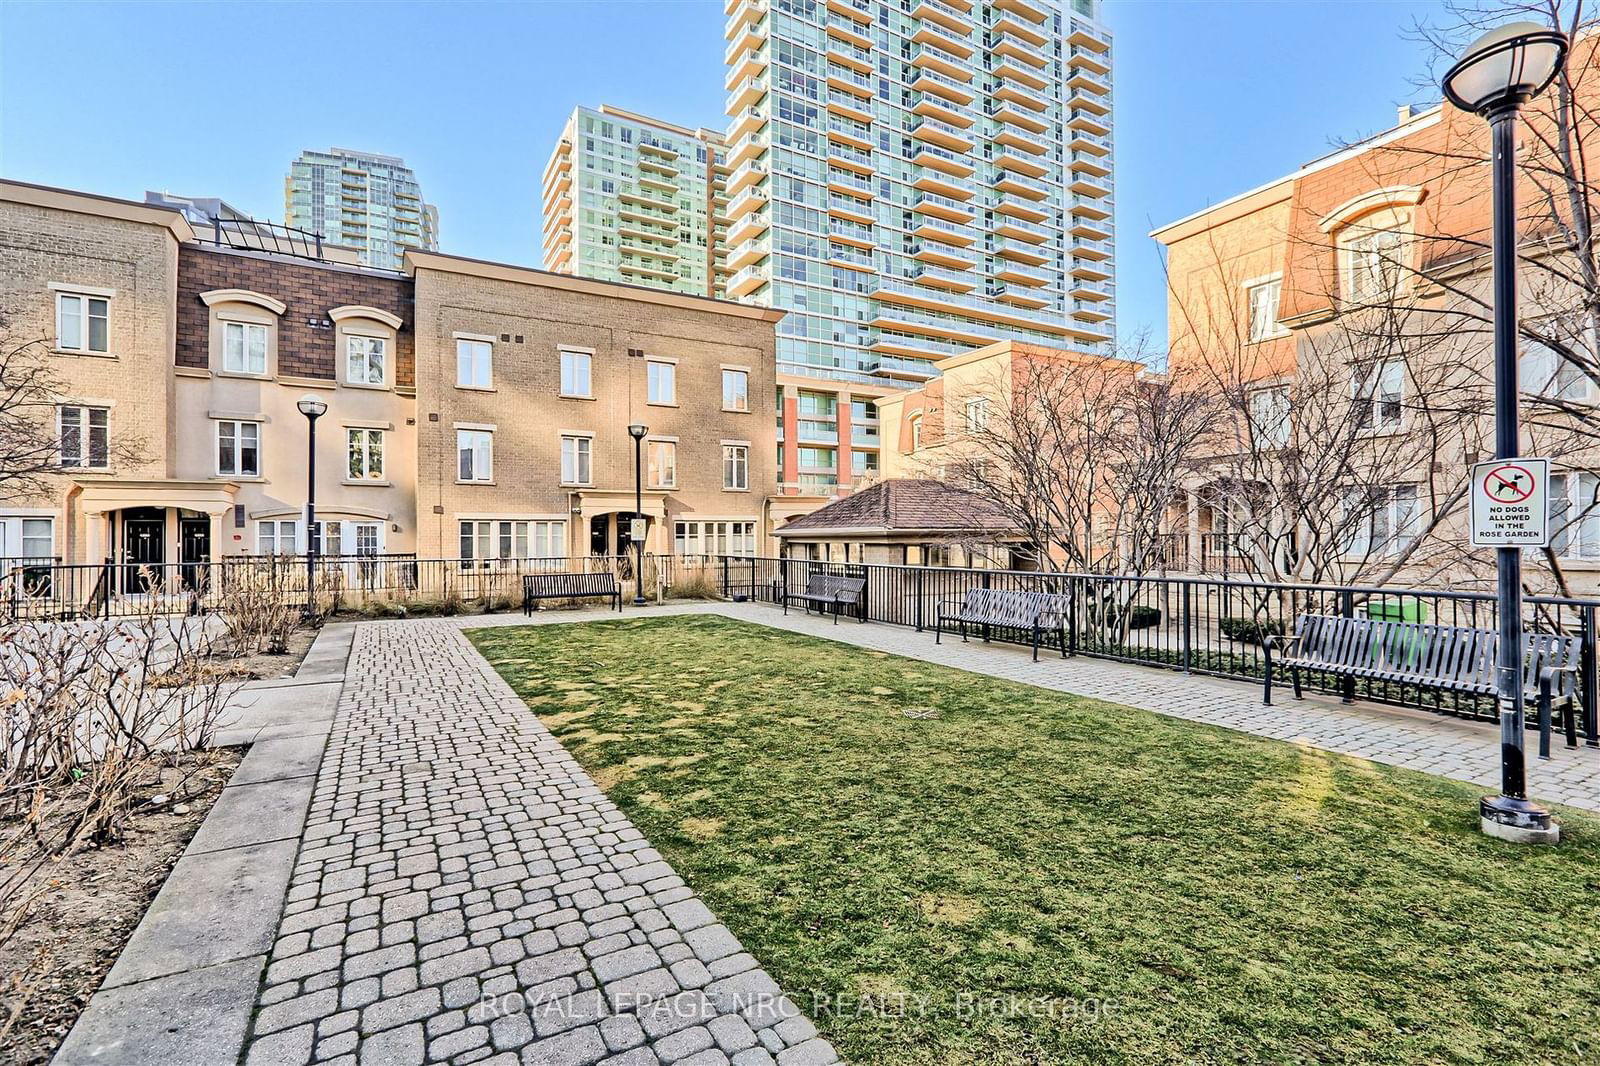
[{"x": 1226, "y": 898}]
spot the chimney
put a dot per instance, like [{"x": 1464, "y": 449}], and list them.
[{"x": 1404, "y": 113}]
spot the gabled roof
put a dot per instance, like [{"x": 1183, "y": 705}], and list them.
[{"x": 904, "y": 505}]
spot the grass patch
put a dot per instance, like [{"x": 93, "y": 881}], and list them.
[{"x": 1229, "y": 898}]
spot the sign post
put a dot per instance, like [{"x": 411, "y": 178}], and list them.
[{"x": 1511, "y": 503}]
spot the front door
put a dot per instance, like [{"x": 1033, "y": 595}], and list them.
[
  {"x": 144, "y": 547},
  {"x": 194, "y": 552}
]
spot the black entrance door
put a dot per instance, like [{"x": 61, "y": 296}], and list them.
[
  {"x": 144, "y": 547},
  {"x": 194, "y": 548}
]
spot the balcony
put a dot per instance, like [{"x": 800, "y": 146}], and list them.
[
  {"x": 1031, "y": 232},
  {"x": 1085, "y": 311},
  {"x": 850, "y": 81},
  {"x": 655, "y": 203},
  {"x": 1099, "y": 249},
  {"x": 958, "y": 43},
  {"x": 652, "y": 218},
  {"x": 747, "y": 65},
  {"x": 656, "y": 165},
  {"x": 938, "y": 107},
  {"x": 1084, "y": 141},
  {"x": 1014, "y": 69},
  {"x": 1018, "y": 295},
  {"x": 847, "y": 106},
  {"x": 747, "y": 281},
  {"x": 747, "y": 175},
  {"x": 848, "y": 182},
  {"x": 1084, "y": 289},
  {"x": 943, "y": 255},
  {"x": 1089, "y": 81},
  {"x": 894, "y": 366},
  {"x": 1016, "y": 26},
  {"x": 1015, "y": 159},
  {"x": 1094, "y": 207},
  {"x": 1015, "y": 92},
  {"x": 878, "y": 341},
  {"x": 1091, "y": 103},
  {"x": 651, "y": 271},
  {"x": 848, "y": 29},
  {"x": 1032, "y": 10},
  {"x": 1016, "y": 207},
  {"x": 1083, "y": 36},
  {"x": 561, "y": 181},
  {"x": 1088, "y": 122},
  {"x": 851, "y": 56},
  {"x": 946, "y": 207},
  {"x": 848, "y": 256},
  {"x": 895, "y": 290},
  {"x": 634, "y": 232},
  {"x": 750, "y": 200},
  {"x": 1087, "y": 186},
  {"x": 1020, "y": 251},
  {"x": 1089, "y": 163},
  {"x": 559, "y": 259},
  {"x": 860, "y": 10},
  {"x": 948, "y": 232},
  {"x": 943, "y": 134},
  {"x": 746, "y": 40},
  {"x": 1027, "y": 123},
  {"x": 1023, "y": 185},
  {"x": 929, "y": 155},
  {"x": 750, "y": 91},
  {"x": 854, "y": 210},
  {"x": 849, "y": 157},
  {"x": 747, "y": 149},
  {"x": 927, "y": 80},
  {"x": 947, "y": 15},
  {"x": 852, "y": 133},
  {"x": 849, "y": 232},
  {"x": 932, "y": 57},
  {"x": 1007, "y": 44},
  {"x": 1083, "y": 58},
  {"x": 749, "y": 121},
  {"x": 1021, "y": 140},
  {"x": 751, "y": 225},
  {"x": 1022, "y": 274},
  {"x": 747, "y": 13},
  {"x": 662, "y": 185},
  {"x": 1094, "y": 229},
  {"x": 1089, "y": 269},
  {"x": 959, "y": 188},
  {"x": 660, "y": 257},
  {"x": 945, "y": 278},
  {"x": 909, "y": 320}
]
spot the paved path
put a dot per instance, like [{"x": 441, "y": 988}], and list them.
[{"x": 464, "y": 893}]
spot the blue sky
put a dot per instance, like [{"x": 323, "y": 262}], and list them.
[{"x": 1212, "y": 98}]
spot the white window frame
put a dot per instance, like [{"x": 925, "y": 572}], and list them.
[
  {"x": 1575, "y": 514},
  {"x": 741, "y": 393},
  {"x": 82, "y": 458},
  {"x": 474, "y": 363},
  {"x": 916, "y": 432},
  {"x": 372, "y": 345},
  {"x": 655, "y": 447},
  {"x": 479, "y": 444},
  {"x": 1372, "y": 263},
  {"x": 715, "y": 536},
  {"x": 736, "y": 468},
  {"x": 84, "y": 300},
  {"x": 237, "y": 426},
  {"x": 358, "y": 442},
  {"x": 1270, "y": 411},
  {"x": 487, "y": 539},
  {"x": 977, "y": 414},
  {"x": 1377, "y": 386},
  {"x": 661, "y": 383},
  {"x": 574, "y": 360},
  {"x": 580, "y": 470},
  {"x": 1262, "y": 298},
  {"x": 276, "y": 527},
  {"x": 1382, "y": 521},
  {"x": 1544, "y": 372},
  {"x": 245, "y": 332}
]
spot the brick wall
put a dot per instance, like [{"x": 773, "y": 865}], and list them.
[{"x": 309, "y": 289}]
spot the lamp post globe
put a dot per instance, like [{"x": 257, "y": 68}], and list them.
[
  {"x": 313, "y": 407},
  {"x": 1499, "y": 72},
  {"x": 637, "y": 431}
]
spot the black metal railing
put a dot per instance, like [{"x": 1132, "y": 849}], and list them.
[{"x": 261, "y": 236}]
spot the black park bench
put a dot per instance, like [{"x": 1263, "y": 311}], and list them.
[
  {"x": 1446, "y": 658},
  {"x": 1006, "y": 608},
  {"x": 830, "y": 590},
  {"x": 569, "y": 587}
]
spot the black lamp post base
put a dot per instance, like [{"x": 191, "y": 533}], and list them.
[{"x": 1519, "y": 821}]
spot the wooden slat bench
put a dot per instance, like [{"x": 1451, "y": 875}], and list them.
[
  {"x": 1006, "y": 608},
  {"x": 1447, "y": 658},
  {"x": 830, "y": 590},
  {"x": 569, "y": 587}
]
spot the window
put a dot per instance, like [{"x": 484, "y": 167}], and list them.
[
  {"x": 474, "y": 455},
  {"x": 916, "y": 432},
  {"x": 575, "y": 460},
  {"x": 277, "y": 537},
  {"x": 661, "y": 464},
  {"x": 736, "y": 390},
  {"x": 977, "y": 415},
  {"x": 575, "y": 374},
  {"x": 1269, "y": 417},
  {"x": 328, "y": 537},
  {"x": 82, "y": 323},
  {"x": 1379, "y": 392},
  {"x": 244, "y": 348},
  {"x": 1575, "y": 515},
  {"x": 366, "y": 454},
  {"x": 474, "y": 362},
  {"x": 1373, "y": 265},
  {"x": 736, "y": 466},
  {"x": 369, "y": 538},
  {"x": 715, "y": 538},
  {"x": 1380, "y": 521},
  {"x": 85, "y": 437},
  {"x": 513, "y": 539},
  {"x": 1263, "y": 299},
  {"x": 239, "y": 449},
  {"x": 364, "y": 360},
  {"x": 1546, "y": 372},
  {"x": 38, "y": 538},
  {"x": 663, "y": 383}
]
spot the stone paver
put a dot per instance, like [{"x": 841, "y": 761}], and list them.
[{"x": 464, "y": 893}]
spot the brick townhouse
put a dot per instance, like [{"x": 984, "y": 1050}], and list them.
[{"x": 471, "y": 408}]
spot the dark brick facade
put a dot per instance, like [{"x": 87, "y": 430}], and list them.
[{"x": 309, "y": 290}]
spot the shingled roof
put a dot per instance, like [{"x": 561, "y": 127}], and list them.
[{"x": 903, "y": 505}]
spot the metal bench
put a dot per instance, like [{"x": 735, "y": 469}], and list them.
[
  {"x": 569, "y": 587},
  {"x": 830, "y": 590},
  {"x": 1448, "y": 658},
  {"x": 1006, "y": 608}
]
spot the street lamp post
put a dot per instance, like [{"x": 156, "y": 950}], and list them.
[
  {"x": 637, "y": 432},
  {"x": 1499, "y": 73},
  {"x": 313, "y": 408}
]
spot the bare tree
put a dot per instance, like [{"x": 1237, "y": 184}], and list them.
[{"x": 29, "y": 388}]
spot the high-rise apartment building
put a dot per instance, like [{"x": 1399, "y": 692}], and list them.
[
  {"x": 911, "y": 181},
  {"x": 634, "y": 199},
  {"x": 360, "y": 200}
]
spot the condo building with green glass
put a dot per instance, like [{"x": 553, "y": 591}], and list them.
[
  {"x": 368, "y": 202},
  {"x": 911, "y": 181},
  {"x": 634, "y": 199}
]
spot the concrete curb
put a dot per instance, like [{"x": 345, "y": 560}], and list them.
[{"x": 182, "y": 991}]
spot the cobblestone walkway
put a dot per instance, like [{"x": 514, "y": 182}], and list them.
[{"x": 464, "y": 893}]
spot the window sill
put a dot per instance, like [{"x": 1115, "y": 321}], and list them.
[
  {"x": 574, "y": 396},
  {"x": 736, "y": 410},
  {"x": 577, "y": 484},
  {"x": 661, "y": 488},
  {"x": 84, "y": 352},
  {"x": 383, "y": 484},
  {"x": 727, "y": 489},
  {"x": 364, "y": 385},
  {"x": 238, "y": 477},
  {"x": 477, "y": 388},
  {"x": 241, "y": 374},
  {"x": 461, "y": 482}
]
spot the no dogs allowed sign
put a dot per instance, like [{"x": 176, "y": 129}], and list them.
[{"x": 1510, "y": 503}]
